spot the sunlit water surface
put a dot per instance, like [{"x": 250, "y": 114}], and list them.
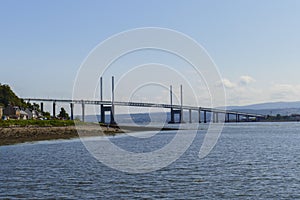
[{"x": 250, "y": 161}]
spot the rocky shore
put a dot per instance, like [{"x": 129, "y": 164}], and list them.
[
  {"x": 13, "y": 135},
  {"x": 18, "y": 134}
]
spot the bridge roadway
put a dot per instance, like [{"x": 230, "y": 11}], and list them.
[{"x": 149, "y": 105}]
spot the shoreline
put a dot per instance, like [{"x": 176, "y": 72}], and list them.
[{"x": 15, "y": 134}]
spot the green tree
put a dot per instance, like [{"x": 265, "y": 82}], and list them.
[
  {"x": 278, "y": 116},
  {"x": 7, "y": 96},
  {"x": 63, "y": 114},
  {"x": 47, "y": 115}
]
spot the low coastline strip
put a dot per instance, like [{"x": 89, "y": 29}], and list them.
[
  {"x": 19, "y": 134},
  {"x": 14, "y": 135}
]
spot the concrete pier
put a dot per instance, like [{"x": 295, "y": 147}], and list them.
[
  {"x": 83, "y": 111},
  {"x": 237, "y": 118},
  {"x": 213, "y": 117},
  {"x": 53, "y": 109},
  {"x": 205, "y": 117},
  {"x": 227, "y": 117},
  {"x": 105, "y": 109},
  {"x": 247, "y": 118},
  {"x": 72, "y": 111},
  {"x": 190, "y": 116},
  {"x": 42, "y": 107},
  {"x": 199, "y": 115}
]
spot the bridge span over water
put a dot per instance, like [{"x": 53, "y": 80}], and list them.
[{"x": 109, "y": 106}]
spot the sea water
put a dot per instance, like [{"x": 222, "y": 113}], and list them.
[{"x": 249, "y": 161}]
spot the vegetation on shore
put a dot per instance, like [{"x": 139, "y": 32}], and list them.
[
  {"x": 8, "y": 97},
  {"x": 282, "y": 118},
  {"x": 39, "y": 123}
]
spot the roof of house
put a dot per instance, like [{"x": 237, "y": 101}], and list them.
[{"x": 22, "y": 112}]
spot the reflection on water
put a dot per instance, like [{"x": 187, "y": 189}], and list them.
[{"x": 250, "y": 161}]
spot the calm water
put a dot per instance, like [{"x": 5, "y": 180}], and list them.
[{"x": 250, "y": 161}]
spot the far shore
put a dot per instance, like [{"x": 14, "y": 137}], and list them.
[{"x": 14, "y": 134}]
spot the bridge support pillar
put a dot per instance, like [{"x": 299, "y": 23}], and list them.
[
  {"x": 199, "y": 115},
  {"x": 53, "y": 109},
  {"x": 227, "y": 117},
  {"x": 173, "y": 113},
  {"x": 83, "y": 111},
  {"x": 213, "y": 117},
  {"x": 237, "y": 116},
  {"x": 102, "y": 116},
  {"x": 247, "y": 118},
  {"x": 190, "y": 116},
  {"x": 181, "y": 116},
  {"x": 172, "y": 116},
  {"x": 205, "y": 117},
  {"x": 42, "y": 107},
  {"x": 72, "y": 111}
]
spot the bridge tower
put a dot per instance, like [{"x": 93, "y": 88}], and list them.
[
  {"x": 176, "y": 111},
  {"x": 104, "y": 108}
]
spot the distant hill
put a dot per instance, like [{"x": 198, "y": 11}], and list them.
[
  {"x": 271, "y": 108},
  {"x": 270, "y": 105}
]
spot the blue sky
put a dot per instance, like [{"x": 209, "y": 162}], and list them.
[{"x": 255, "y": 44}]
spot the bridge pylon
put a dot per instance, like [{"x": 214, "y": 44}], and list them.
[
  {"x": 176, "y": 111},
  {"x": 111, "y": 108}
]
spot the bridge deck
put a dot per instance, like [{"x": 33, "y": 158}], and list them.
[{"x": 140, "y": 104}]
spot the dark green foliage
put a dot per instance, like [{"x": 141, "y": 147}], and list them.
[
  {"x": 63, "y": 114},
  {"x": 47, "y": 115},
  {"x": 33, "y": 106},
  {"x": 39, "y": 123},
  {"x": 7, "y": 96}
]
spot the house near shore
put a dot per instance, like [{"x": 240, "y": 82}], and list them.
[
  {"x": 23, "y": 115},
  {"x": 14, "y": 112},
  {"x": 32, "y": 114},
  {"x": 11, "y": 112}
]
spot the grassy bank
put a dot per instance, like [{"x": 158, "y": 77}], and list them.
[{"x": 39, "y": 123}]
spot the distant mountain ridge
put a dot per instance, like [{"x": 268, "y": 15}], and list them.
[
  {"x": 270, "y": 108},
  {"x": 268, "y": 105}
]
